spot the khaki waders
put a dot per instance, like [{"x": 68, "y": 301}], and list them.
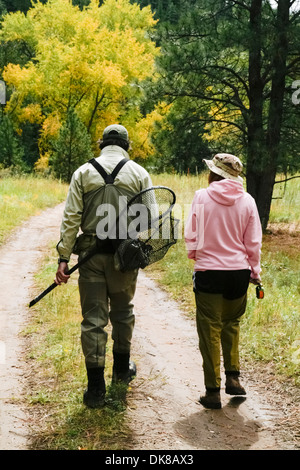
[{"x": 105, "y": 294}]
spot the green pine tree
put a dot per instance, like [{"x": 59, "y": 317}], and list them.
[
  {"x": 71, "y": 149},
  {"x": 11, "y": 153}
]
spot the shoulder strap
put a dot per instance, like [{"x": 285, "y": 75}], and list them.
[
  {"x": 99, "y": 168},
  {"x": 109, "y": 179},
  {"x": 118, "y": 168}
]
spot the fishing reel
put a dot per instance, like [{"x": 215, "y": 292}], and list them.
[{"x": 260, "y": 293}]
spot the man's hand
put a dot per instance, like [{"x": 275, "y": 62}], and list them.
[{"x": 61, "y": 277}]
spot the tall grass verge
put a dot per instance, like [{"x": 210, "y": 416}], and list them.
[
  {"x": 24, "y": 196},
  {"x": 286, "y": 206}
]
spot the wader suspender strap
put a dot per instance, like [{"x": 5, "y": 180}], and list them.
[{"x": 109, "y": 179}]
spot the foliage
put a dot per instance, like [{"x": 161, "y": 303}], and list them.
[
  {"x": 178, "y": 140},
  {"x": 71, "y": 149},
  {"x": 167, "y": 10},
  {"x": 11, "y": 152},
  {"x": 224, "y": 80},
  {"x": 16, "y": 5},
  {"x": 91, "y": 59},
  {"x": 230, "y": 65}
]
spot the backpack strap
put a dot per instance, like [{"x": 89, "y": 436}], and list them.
[{"x": 109, "y": 179}]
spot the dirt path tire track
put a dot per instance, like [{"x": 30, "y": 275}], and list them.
[
  {"x": 20, "y": 258},
  {"x": 163, "y": 411}
]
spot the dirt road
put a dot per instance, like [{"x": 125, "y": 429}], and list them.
[
  {"x": 163, "y": 408},
  {"x": 19, "y": 261}
]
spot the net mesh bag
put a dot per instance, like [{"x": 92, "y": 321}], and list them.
[{"x": 151, "y": 229}]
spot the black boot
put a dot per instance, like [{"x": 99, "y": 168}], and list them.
[
  {"x": 124, "y": 370},
  {"x": 232, "y": 384},
  {"x": 211, "y": 399},
  {"x": 94, "y": 396}
]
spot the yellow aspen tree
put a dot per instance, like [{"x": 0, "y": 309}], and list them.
[{"x": 91, "y": 60}]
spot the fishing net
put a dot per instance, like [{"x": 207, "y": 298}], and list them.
[{"x": 151, "y": 229}]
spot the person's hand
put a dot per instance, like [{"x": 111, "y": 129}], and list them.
[
  {"x": 256, "y": 282},
  {"x": 61, "y": 277}
]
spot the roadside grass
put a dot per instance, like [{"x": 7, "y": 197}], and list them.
[
  {"x": 286, "y": 206},
  {"x": 24, "y": 196},
  {"x": 58, "y": 376},
  {"x": 271, "y": 327}
]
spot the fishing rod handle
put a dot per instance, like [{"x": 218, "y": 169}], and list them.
[{"x": 45, "y": 292}]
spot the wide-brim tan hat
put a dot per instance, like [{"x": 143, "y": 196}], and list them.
[{"x": 226, "y": 165}]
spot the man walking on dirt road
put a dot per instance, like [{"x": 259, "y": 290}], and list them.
[
  {"x": 226, "y": 249},
  {"x": 105, "y": 293}
]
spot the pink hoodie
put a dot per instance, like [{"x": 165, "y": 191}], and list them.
[{"x": 223, "y": 230}]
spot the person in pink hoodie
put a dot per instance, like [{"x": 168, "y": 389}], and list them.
[{"x": 223, "y": 236}]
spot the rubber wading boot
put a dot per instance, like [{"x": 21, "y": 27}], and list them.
[
  {"x": 232, "y": 384},
  {"x": 124, "y": 370},
  {"x": 94, "y": 395},
  {"x": 211, "y": 399}
]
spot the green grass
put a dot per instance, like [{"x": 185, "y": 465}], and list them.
[
  {"x": 286, "y": 208},
  {"x": 270, "y": 328},
  {"x": 24, "y": 196}
]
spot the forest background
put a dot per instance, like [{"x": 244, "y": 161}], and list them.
[{"x": 187, "y": 78}]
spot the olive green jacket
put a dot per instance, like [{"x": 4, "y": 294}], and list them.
[{"x": 88, "y": 191}]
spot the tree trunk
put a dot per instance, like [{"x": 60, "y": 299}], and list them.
[
  {"x": 263, "y": 184},
  {"x": 263, "y": 153},
  {"x": 273, "y": 138},
  {"x": 256, "y": 150}
]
